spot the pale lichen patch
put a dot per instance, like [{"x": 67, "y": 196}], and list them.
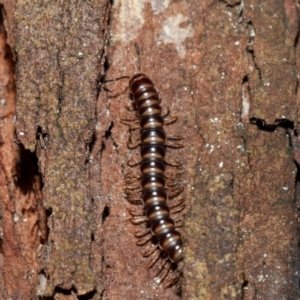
[{"x": 174, "y": 33}]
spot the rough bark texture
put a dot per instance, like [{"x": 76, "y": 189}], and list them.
[
  {"x": 59, "y": 48},
  {"x": 21, "y": 212},
  {"x": 65, "y": 228},
  {"x": 214, "y": 69}
]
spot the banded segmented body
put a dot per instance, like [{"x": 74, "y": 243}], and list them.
[{"x": 153, "y": 143}]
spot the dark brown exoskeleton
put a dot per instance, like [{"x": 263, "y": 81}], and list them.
[
  {"x": 152, "y": 186},
  {"x": 153, "y": 143}
]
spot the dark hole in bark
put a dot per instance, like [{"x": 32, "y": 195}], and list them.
[
  {"x": 49, "y": 211},
  {"x": 89, "y": 145},
  {"x": 105, "y": 213},
  {"x": 73, "y": 290},
  {"x": 59, "y": 290},
  {"x": 92, "y": 142},
  {"x": 26, "y": 170},
  {"x": 109, "y": 130},
  {"x": 106, "y": 65},
  {"x": 244, "y": 287},
  {"x": 245, "y": 283}
]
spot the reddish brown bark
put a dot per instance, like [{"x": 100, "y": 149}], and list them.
[
  {"x": 22, "y": 216},
  {"x": 215, "y": 64},
  {"x": 215, "y": 68}
]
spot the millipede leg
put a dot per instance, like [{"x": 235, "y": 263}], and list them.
[
  {"x": 132, "y": 125},
  {"x": 179, "y": 224},
  {"x": 129, "y": 121},
  {"x": 178, "y": 209},
  {"x": 133, "y": 197},
  {"x": 132, "y": 145},
  {"x": 174, "y": 191},
  {"x": 132, "y": 176},
  {"x": 134, "y": 141},
  {"x": 150, "y": 251},
  {"x": 170, "y": 120},
  {"x": 175, "y": 138},
  {"x": 176, "y": 202},
  {"x": 133, "y": 162},
  {"x": 133, "y": 194},
  {"x": 134, "y": 201},
  {"x": 171, "y": 280},
  {"x": 138, "y": 220},
  {"x": 161, "y": 271},
  {"x": 131, "y": 108},
  {"x": 133, "y": 128},
  {"x": 170, "y": 180},
  {"x": 165, "y": 112},
  {"x": 176, "y": 182},
  {"x": 128, "y": 181},
  {"x": 134, "y": 135},
  {"x": 137, "y": 212},
  {"x": 174, "y": 175},
  {"x": 132, "y": 187},
  {"x": 142, "y": 232},
  {"x": 177, "y": 185},
  {"x": 173, "y": 144},
  {"x": 144, "y": 240},
  {"x": 154, "y": 257},
  {"x": 177, "y": 218},
  {"x": 176, "y": 165}
]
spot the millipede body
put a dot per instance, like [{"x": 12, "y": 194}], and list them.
[{"x": 153, "y": 182}]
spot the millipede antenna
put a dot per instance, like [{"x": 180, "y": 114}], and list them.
[
  {"x": 118, "y": 78},
  {"x": 138, "y": 52}
]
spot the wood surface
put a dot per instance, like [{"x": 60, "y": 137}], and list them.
[{"x": 65, "y": 230}]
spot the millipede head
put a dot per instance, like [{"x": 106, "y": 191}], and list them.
[
  {"x": 136, "y": 77},
  {"x": 137, "y": 81}
]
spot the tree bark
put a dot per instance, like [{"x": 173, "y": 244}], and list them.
[{"x": 65, "y": 220}]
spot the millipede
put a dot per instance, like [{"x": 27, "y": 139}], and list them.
[
  {"x": 152, "y": 191},
  {"x": 153, "y": 140}
]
